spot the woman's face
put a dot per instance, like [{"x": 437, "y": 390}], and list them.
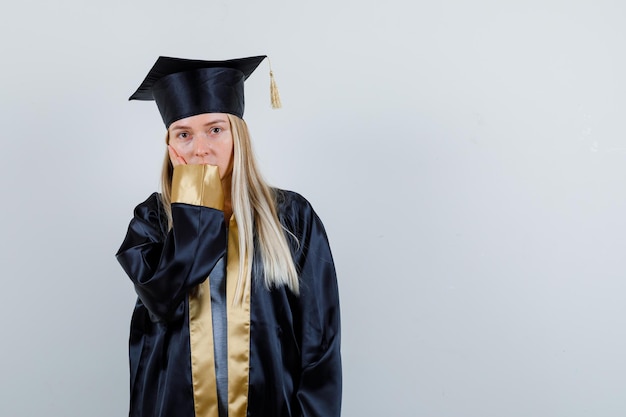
[{"x": 203, "y": 139}]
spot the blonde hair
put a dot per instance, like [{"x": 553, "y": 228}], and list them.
[{"x": 254, "y": 208}]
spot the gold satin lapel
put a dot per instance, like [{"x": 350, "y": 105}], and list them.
[
  {"x": 202, "y": 361},
  {"x": 238, "y": 331}
]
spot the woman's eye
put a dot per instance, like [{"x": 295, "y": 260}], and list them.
[
  {"x": 183, "y": 135},
  {"x": 216, "y": 130}
]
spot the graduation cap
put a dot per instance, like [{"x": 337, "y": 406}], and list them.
[{"x": 187, "y": 87}]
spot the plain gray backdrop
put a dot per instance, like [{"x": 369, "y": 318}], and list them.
[{"x": 466, "y": 157}]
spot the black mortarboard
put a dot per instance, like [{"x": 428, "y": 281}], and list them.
[{"x": 186, "y": 87}]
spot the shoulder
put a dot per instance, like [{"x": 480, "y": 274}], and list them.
[
  {"x": 150, "y": 204},
  {"x": 309, "y": 243},
  {"x": 296, "y": 212},
  {"x": 292, "y": 205},
  {"x": 286, "y": 199},
  {"x": 152, "y": 211}
]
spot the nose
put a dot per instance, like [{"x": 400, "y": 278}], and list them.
[{"x": 202, "y": 147}]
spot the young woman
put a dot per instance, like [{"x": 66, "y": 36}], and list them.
[{"x": 237, "y": 311}]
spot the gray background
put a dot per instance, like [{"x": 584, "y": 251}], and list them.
[{"x": 467, "y": 159}]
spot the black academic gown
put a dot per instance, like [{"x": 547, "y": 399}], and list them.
[{"x": 294, "y": 364}]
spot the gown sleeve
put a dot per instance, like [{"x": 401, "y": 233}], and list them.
[
  {"x": 165, "y": 265},
  {"x": 320, "y": 389}
]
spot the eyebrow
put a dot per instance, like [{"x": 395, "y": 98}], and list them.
[{"x": 184, "y": 127}]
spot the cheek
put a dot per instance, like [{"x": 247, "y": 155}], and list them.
[
  {"x": 226, "y": 156},
  {"x": 227, "y": 153},
  {"x": 227, "y": 159},
  {"x": 181, "y": 147}
]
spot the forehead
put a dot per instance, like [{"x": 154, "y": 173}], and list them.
[{"x": 200, "y": 120}]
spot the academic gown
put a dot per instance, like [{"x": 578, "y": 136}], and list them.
[{"x": 281, "y": 356}]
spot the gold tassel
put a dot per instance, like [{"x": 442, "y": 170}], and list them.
[
  {"x": 276, "y": 104},
  {"x": 275, "y": 96}
]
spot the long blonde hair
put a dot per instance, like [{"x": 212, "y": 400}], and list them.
[{"x": 254, "y": 208}]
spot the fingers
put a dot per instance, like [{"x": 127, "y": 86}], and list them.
[{"x": 175, "y": 157}]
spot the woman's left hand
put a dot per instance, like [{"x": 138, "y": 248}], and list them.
[{"x": 175, "y": 157}]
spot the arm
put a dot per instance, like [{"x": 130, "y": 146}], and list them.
[
  {"x": 319, "y": 392},
  {"x": 164, "y": 266}
]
